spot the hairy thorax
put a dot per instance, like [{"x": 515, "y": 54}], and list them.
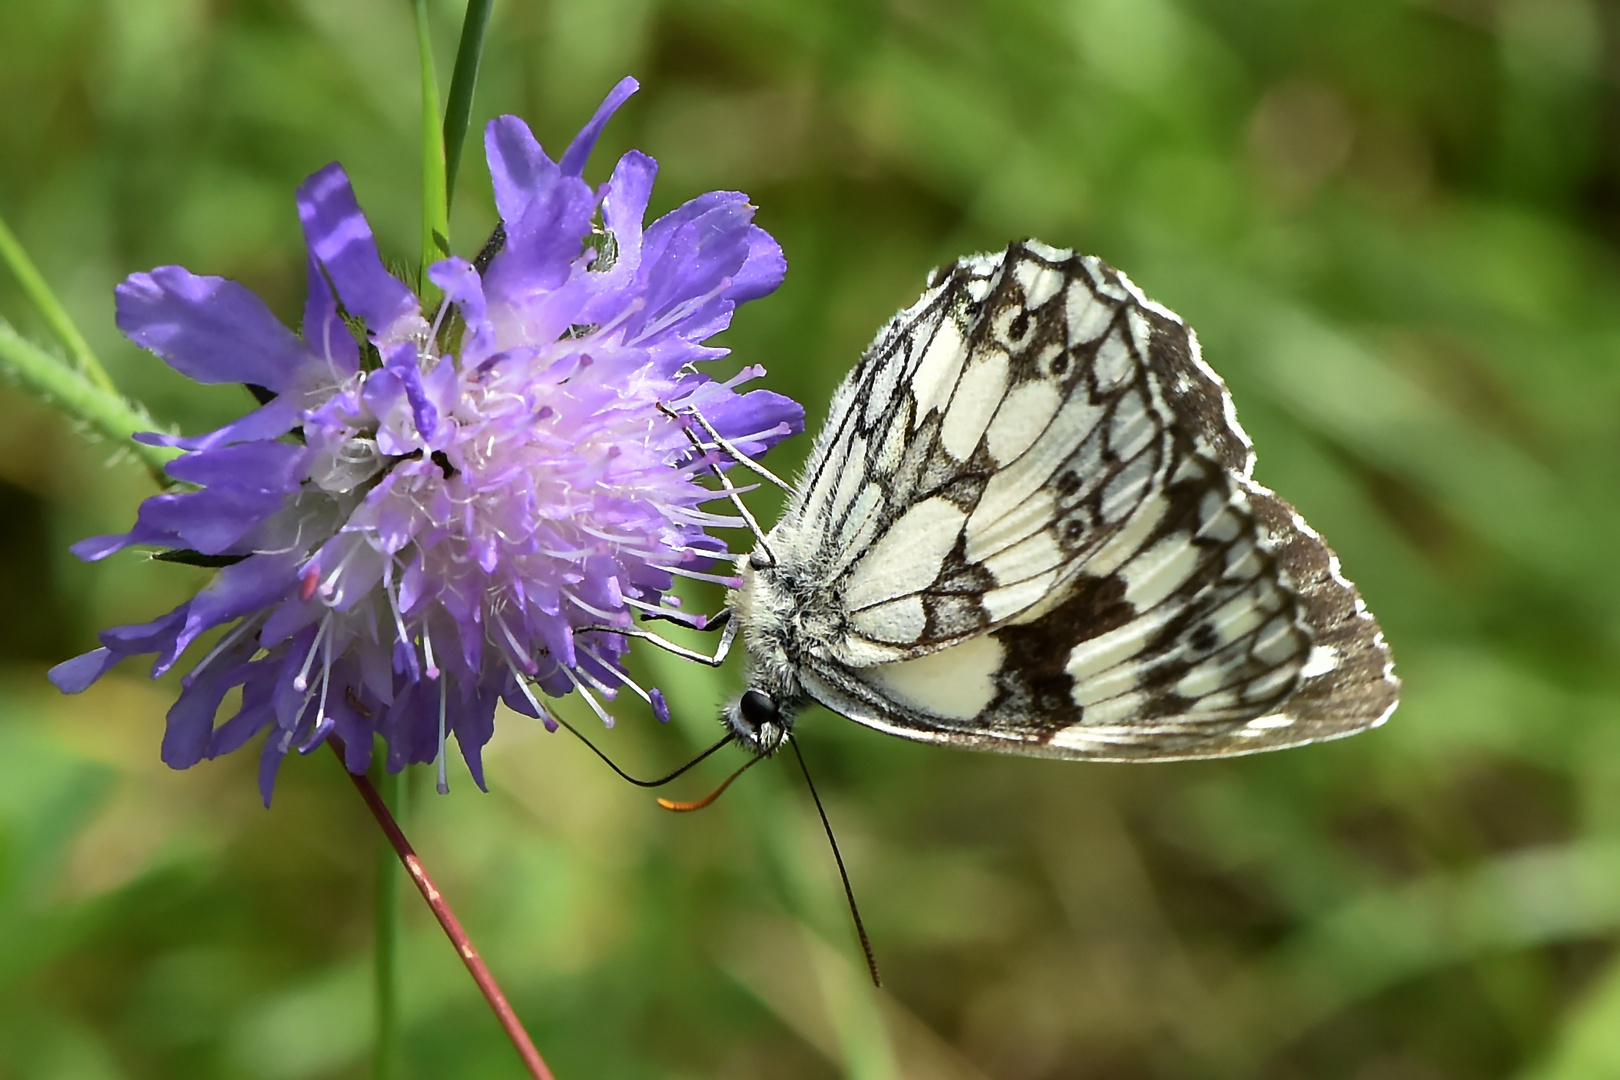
[{"x": 783, "y": 623}]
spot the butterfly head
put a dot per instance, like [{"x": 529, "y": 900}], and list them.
[{"x": 759, "y": 720}]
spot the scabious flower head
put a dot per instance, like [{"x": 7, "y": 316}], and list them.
[{"x": 433, "y": 511}]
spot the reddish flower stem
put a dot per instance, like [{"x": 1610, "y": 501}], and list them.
[{"x": 447, "y": 919}]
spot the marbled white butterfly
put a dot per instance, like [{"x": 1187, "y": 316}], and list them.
[{"x": 1029, "y": 526}]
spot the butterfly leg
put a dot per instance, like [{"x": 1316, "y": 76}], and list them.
[
  {"x": 725, "y": 481},
  {"x": 735, "y": 454},
  {"x": 727, "y": 635}
]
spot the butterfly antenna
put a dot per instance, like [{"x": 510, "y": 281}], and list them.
[
  {"x": 849, "y": 893},
  {"x": 643, "y": 783},
  {"x": 688, "y": 807}
]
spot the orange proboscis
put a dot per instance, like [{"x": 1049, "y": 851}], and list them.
[{"x": 698, "y": 804}]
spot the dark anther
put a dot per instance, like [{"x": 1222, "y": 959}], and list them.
[
  {"x": 442, "y": 460},
  {"x": 758, "y": 709},
  {"x": 390, "y": 462},
  {"x": 197, "y": 558},
  {"x": 355, "y": 703},
  {"x": 492, "y": 247}
]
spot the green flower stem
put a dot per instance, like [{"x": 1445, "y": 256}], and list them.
[
  {"x": 458, "y": 106},
  {"x": 56, "y": 317},
  {"x": 435, "y": 208},
  {"x": 385, "y": 1063},
  {"x": 104, "y": 411}
]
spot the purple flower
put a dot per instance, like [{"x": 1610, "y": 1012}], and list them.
[{"x": 432, "y": 510}]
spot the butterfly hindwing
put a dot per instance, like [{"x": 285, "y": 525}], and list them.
[{"x": 1029, "y": 525}]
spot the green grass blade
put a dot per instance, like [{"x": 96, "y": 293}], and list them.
[
  {"x": 51, "y": 309},
  {"x": 435, "y": 208},
  {"x": 105, "y": 412},
  {"x": 458, "y": 106}
]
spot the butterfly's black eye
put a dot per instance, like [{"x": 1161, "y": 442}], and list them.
[{"x": 758, "y": 709}]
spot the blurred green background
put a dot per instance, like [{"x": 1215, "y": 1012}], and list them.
[{"x": 1394, "y": 225}]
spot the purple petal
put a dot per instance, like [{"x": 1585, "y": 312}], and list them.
[
  {"x": 474, "y": 727},
  {"x": 190, "y": 723},
  {"x": 209, "y": 521},
  {"x": 542, "y": 243},
  {"x": 340, "y": 240},
  {"x": 704, "y": 228},
  {"x": 573, "y": 159},
  {"x": 376, "y": 680},
  {"x": 384, "y": 395},
  {"x": 256, "y": 712},
  {"x": 255, "y": 466},
  {"x": 414, "y": 722},
  {"x": 763, "y": 268},
  {"x": 700, "y": 255},
  {"x": 518, "y": 169},
  {"x": 400, "y": 360},
  {"x": 75, "y": 676},
  {"x": 463, "y": 287},
  {"x": 208, "y": 328},
  {"x": 136, "y": 638},
  {"x": 356, "y": 734},
  {"x": 266, "y": 422},
  {"x": 441, "y": 391},
  {"x": 517, "y": 700},
  {"x": 624, "y": 206},
  {"x": 236, "y": 591},
  {"x": 325, "y": 332},
  {"x": 739, "y": 416},
  {"x": 95, "y": 548},
  {"x": 275, "y": 748}
]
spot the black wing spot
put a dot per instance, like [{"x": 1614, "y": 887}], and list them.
[{"x": 1018, "y": 327}]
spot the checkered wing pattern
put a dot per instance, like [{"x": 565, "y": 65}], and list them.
[{"x": 1029, "y": 525}]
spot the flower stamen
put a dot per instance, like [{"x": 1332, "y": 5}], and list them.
[
  {"x": 301, "y": 680},
  {"x": 444, "y": 780}
]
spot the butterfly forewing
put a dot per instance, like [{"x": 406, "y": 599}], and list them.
[
  {"x": 1029, "y": 525},
  {"x": 995, "y": 433}
]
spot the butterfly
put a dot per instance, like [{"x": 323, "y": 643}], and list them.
[{"x": 1030, "y": 525}]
